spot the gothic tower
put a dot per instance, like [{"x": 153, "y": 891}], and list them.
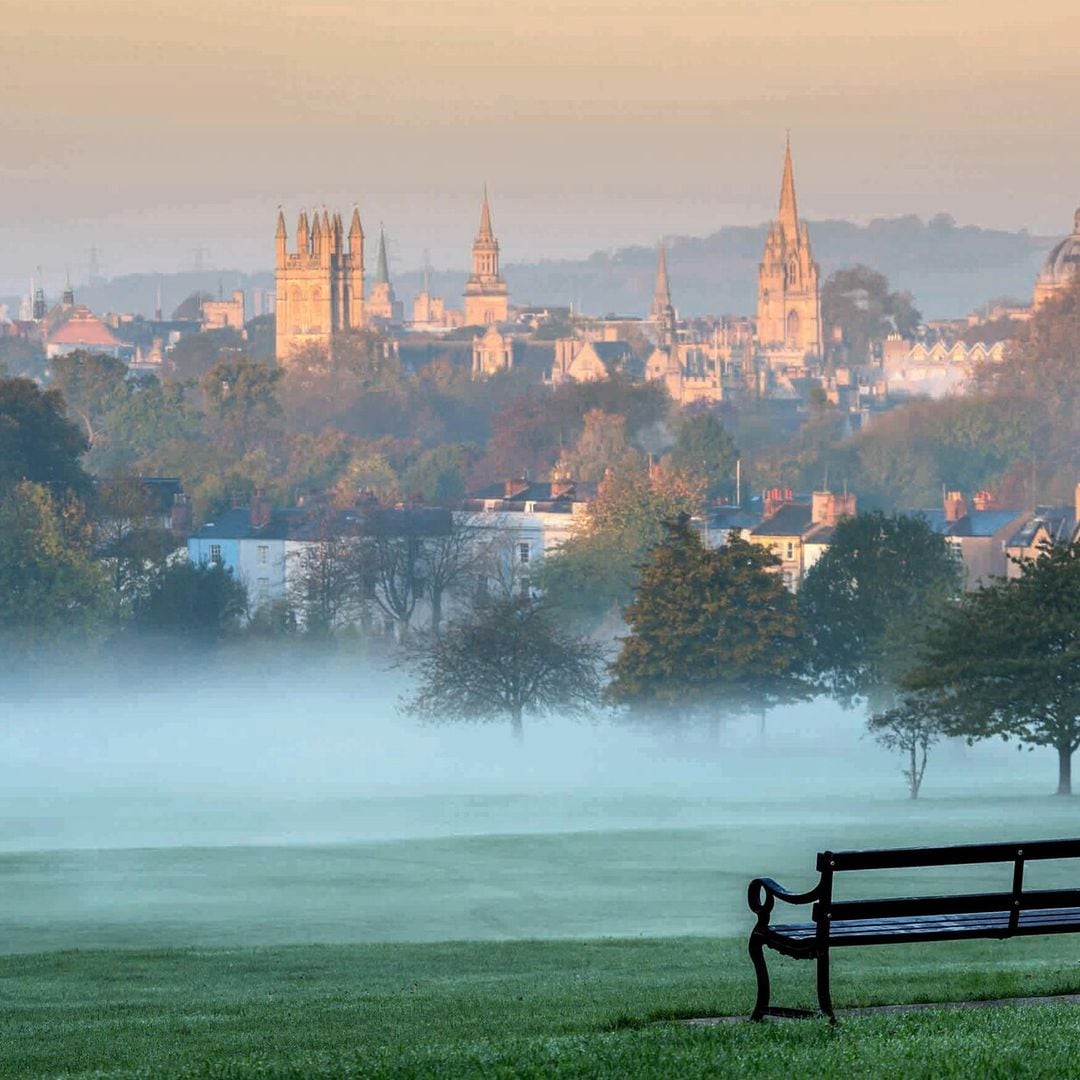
[
  {"x": 320, "y": 286},
  {"x": 487, "y": 298},
  {"x": 663, "y": 311},
  {"x": 789, "y": 305}
]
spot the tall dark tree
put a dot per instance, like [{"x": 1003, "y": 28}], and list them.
[
  {"x": 1005, "y": 661},
  {"x": 37, "y": 441},
  {"x": 197, "y": 604},
  {"x": 51, "y": 586},
  {"x": 858, "y": 301},
  {"x": 507, "y": 658},
  {"x": 711, "y": 631},
  {"x": 242, "y": 404},
  {"x": 866, "y": 598}
]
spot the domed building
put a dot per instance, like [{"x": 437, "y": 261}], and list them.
[{"x": 1062, "y": 267}]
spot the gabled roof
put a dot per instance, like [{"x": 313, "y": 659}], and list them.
[{"x": 975, "y": 523}]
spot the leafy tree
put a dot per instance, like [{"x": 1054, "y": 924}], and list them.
[
  {"x": 51, "y": 587},
  {"x": 858, "y": 300},
  {"x": 242, "y": 405},
  {"x": 703, "y": 448},
  {"x": 195, "y": 354},
  {"x": 710, "y": 631},
  {"x": 912, "y": 728},
  {"x": 1005, "y": 661},
  {"x": 509, "y": 657},
  {"x": 602, "y": 445},
  {"x": 438, "y": 476},
  {"x": 196, "y": 603},
  {"x": 326, "y": 584},
  {"x": 595, "y": 571},
  {"x": 866, "y": 598},
  {"x": 92, "y": 384},
  {"x": 37, "y": 441}
]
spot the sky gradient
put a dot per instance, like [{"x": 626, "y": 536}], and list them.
[{"x": 151, "y": 129}]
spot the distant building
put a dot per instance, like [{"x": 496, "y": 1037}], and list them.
[
  {"x": 492, "y": 353},
  {"x": 223, "y": 314},
  {"x": 789, "y": 304},
  {"x": 320, "y": 286},
  {"x": 1047, "y": 526},
  {"x": 1062, "y": 267},
  {"x": 691, "y": 373},
  {"x": 799, "y": 532},
  {"x": 487, "y": 296},
  {"x": 935, "y": 371},
  {"x": 79, "y": 329},
  {"x": 588, "y": 361},
  {"x": 662, "y": 312},
  {"x": 978, "y": 534}
]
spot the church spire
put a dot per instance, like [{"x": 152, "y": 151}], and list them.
[
  {"x": 789, "y": 211},
  {"x": 662, "y": 291},
  {"x": 486, "y": 232},
  {"x": 382, "y": 271}
]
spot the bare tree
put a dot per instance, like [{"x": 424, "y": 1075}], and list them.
[
  {"x": 394, "y": 568},
  {"x": 911, "y": 728},
  {"x": 452, "y": 560},
  {"x": 507, "y": 658}
]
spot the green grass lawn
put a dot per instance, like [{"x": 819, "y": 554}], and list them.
[{"x": 526, "y": 1008}]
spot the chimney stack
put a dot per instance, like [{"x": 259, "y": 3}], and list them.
[
  {"x": 774, "y": 498},
  {"x": 955, "y": 506},
  {"x": 514, "y": 486},
  {"x": 982, "y": 500},
  {"x": 261, "y": 508},
  {"x": 827, "y": 508},
  {"x": 180, "y": 515}
]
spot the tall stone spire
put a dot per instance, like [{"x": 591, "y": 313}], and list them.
[
  {"x": 788, "y": 217},
  {"x": 382, "y": 271},
  {"x": 486, "y": 232},
  {"x": 661, "y": 301}
]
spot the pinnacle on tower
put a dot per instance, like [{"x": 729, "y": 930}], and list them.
[
  {"x": 788, "y": 217},
  {"x": 302, "y": 234},
  {"x": 486, "y": 232},
  {"x": 662, "y": 291},
  {"x": 280, "y": 234},
  {"x": 382, "y": 272},
  {"x": 356, "y": 230}
]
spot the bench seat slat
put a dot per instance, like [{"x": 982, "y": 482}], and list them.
[{"x": 928, "y": 927}]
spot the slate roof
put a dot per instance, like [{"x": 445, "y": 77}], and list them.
[
  {"x": 1058, "y": 522},
  {"x": 792, "y": 519},
  {"x": 975, "y": 523},
  {"x": 301, "y": 523},
  {"x": 535, "y": 491}
]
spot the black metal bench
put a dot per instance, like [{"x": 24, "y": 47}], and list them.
[{"x": 837, "y": 924}]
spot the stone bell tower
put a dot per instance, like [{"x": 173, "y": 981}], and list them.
[{"x": 487, "y": 297}]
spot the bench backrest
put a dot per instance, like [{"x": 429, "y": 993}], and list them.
[{"x": 1014, "y": 901}]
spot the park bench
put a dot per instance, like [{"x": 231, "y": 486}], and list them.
[{"x": 891, "y": 920}]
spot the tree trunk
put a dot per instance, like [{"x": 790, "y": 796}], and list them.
[
  {"x": 436, "y": 611},
  {"x": 1064, "y": 770},
  {"x": 516, "y": 725}
]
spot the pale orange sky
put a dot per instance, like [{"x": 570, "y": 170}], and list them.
[{"x": 150, "y": 128}]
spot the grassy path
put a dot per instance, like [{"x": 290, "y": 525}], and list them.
[{"x": 528, "y": 1008}]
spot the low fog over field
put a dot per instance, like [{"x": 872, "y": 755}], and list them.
[{"x": 292, "y": 804}]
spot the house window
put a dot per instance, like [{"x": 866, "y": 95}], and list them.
[
  {"x": 264, "y": 588},
  {"x": 790, "y": 550},
  {"x": 215, "y": 554},
  {"x": 263, "y": 555},
  {"x": 523, "y": 554}
]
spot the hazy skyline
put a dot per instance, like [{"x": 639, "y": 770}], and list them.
[{"x": 151, "y": 131}]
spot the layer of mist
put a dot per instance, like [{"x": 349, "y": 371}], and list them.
[{"x": 252, "y": 806}]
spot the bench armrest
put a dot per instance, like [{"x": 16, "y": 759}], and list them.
[{"x": 764, "y": 892}]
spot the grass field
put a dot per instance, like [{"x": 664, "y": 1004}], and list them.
[{"x": 527, "y": 1008}]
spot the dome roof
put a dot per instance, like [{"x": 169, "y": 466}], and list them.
[{"x": 1062, "y": 265}]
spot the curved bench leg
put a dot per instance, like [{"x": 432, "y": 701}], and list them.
[
  {"x": 824, "y": 994},
  {"x": 757, "y": 957}
]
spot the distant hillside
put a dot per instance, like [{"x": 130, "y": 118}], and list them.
[{"x": 951, "y": 270}]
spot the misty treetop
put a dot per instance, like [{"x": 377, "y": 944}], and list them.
[
  {"x": 1005, "y": 660},
  {"x": 505, "y": 658},
  {"x": 864, "y": 602},
  {"x": 712, "y": 631}
]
